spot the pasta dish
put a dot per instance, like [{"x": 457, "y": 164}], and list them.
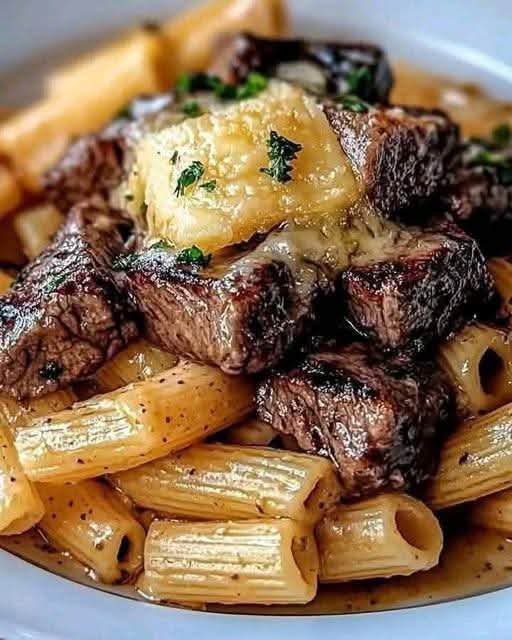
[{"x": 255, "y": 314}]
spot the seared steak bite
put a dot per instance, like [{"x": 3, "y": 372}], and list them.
[
  {"x": 400, "y": 154},
  {"x": 327, "y": 68},
  {"x": 95, "y": 164},
  {"x": 377, "y": 420},
  {"x": 478, "y": 194},
  {"x": 64, "y": 315},
  {"x": 422, "y": 285},
  {"x": 243, "y": 315}
]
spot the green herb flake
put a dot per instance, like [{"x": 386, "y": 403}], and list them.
[
  {"x": 129, "y": 197},
  {"x": 124, "y": 261},
  {"x": 125, "y": 113},
  {"x": 174, "y": 158},
  {"x": 51, "y": 371},
  {"x": 188, "y": 176},
  {"x": 54, "y": 283},
  {"x": 360, "y": 82},
  {"x": 161, "y": 245},
  {"x": 255, "y": 83},
  {"x": 193, "y": 255},
  {"x": 143, "y": 209},
  {"x": 209, "y": 186},
  {"x": 281, "y": 153},
  {"x": 502, "y": 135},
  {"x": 192, "y": 109},
  {"x": 353, "y": 103}
]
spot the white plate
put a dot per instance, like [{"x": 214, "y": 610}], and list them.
[{"x": 469, "y": 39}]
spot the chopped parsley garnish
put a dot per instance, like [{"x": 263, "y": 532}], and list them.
[
  {"x": 191, "y": 82},
  {"x": 502, "y": 135},
  {"x": 51, "y": 371},
  {"x": 192, "y": 109},
  {"x": 54, "y": 283},
  {"x": 495, "y": 153},
  {"x": 174, "y": 158},
  {"x": 125, "y": 113},
  {"x": 360, "y": 82},
  {"x": 193, "y": 255},
  {"x": 255, "y": 83},
  {"x": 209, "y": 186},
  {"x": 281, "y": 153},
  {"x": 353, "y": 103},
  {"x": 122, "y": 262},
  {"x": 161, "y": 245},
  {"x": 188, "y": 176}
]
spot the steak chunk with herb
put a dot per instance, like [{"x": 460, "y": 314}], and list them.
[
  {"x": 243, "y": 314},
  {"x": 418, "y": 287},
  {"x": 326, "y": 68},
  {"x": 95, "y": 164},
  {"x": 376, "y": 420},
  {"x": 64, "y": 315},
  {"x": 478, "y": 193},
  {"x": 400, "y": 154}
]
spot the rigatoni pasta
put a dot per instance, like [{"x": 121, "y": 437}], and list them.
[
  {"x": 478, "y": 361},
  {"x": 223, "y": 482},
  {"x": 20, "y": 504},
  {"x": 138, "y": 361},
  {"x": 475, "y": 461},
  {"x": 253, "y": 561},
  {"x": 391, "y": 534},
  {"x": 501, "y": 269},
  {"x": 251, "y": 432},
  {"x": 493, "y": 512},
  {"x": 10, "y": 191},
  {"x": 136, "y": 424},
  {"x": 35, "y": 137},
  {"x": 36, "y": 226},
  {"x": 89, "y": 521},
  {"x": 193, "y": 35}
]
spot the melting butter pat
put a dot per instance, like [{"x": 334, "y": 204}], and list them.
[{"x": 231, "y": 145}]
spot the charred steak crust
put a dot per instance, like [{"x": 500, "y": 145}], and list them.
[
  {"x": 64, "y": 315},
  {"x": 430, "y": 282},
  {"x": 401, "y": 154},
  {"x": 95, "y": 164},
  {"x": 376, "y": 420},
  {"x": 245, "y": 53},
  {"x": 243, "y": 321}
]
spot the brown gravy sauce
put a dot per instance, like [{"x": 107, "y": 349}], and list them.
[{"x": 474, "y": 560}]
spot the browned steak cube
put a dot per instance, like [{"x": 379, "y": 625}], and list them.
[
  {"x": 326, "y": 68},
  {"x": 64, "y": 315},
  {"x": 478, "y": 193},
  {"x": 400, "y": 154},
  {"x": 242, "y": 315},
  {"x": 95, "y": 164},
  {"x": 421, "y": 286},
  {"x": 375, "y": 419}
]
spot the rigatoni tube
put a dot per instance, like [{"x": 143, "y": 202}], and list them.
[
  {"x": 139, "y": 361},
  {"x": 251, "y": 432},
  {"x": 475, "y": 461},
  {"x": 136, "y": 424},
  {"x": 252, "y": 561},
  {"x": 20, "y": 505},
  {"x": 222, "y": 482},
  {"x": 478, "y": 361},
  {"x": 89, "y": 521},
  {"x": 494, "y": 512},
  {"x": 36, "y": 226},
  {"x": 391, "y": 534}
]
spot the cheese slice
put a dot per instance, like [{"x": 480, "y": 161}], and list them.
[{"x": 231, "y": 144}]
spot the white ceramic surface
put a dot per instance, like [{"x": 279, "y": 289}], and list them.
[{"x": 470, "y": 39}]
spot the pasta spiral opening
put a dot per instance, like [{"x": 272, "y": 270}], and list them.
[
  {"x": 490, "y": 370},
  {"x": 412, "y": 527}
]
